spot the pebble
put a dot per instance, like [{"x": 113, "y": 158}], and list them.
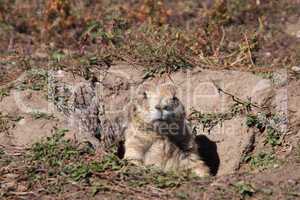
[
  {"x": 292, "y": 182},
  {"x": 22, "y": 122},
  {"x": 60, "y": 73},
  {"x": 268, "y": 54},
  {"x": 22, "y": 187},
  {"x": 9, "y": 185},
  {"x": 296, "y": 69}
]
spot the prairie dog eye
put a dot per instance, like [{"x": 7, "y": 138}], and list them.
[
  {"x": 167, "y": 108},
  {"x": 145, "y": 95}
]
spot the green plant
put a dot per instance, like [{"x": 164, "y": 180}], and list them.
[
  {"x": 163, "y": 181},
  {"x": 99, "y": 186},
  {"x": 182, "y": 195},
  {"x": 41, "y": 115},
  {"x": 53, "y": 150},
  {"x": 78, "y": 171},
  {"x": 109, "y": 162},
  {"x": 150, "y": 175},
  {"x": 253, "y": 121},
  {"x": 113, "y": 36},
  {"x": 3, "y": 93},
  {"x": 160, "y": 49},
  {"x": 61, "y": 158},
  {"x": 4, "y": 123},
  {"x": 58, "y": 56},
  {"x": 35, "y": 79},
  {"x": 262, "y": 160},
  {"x": 266, "y": 75},
  {"x": 244, "y": 189},
  {"x": 268, "y": 123},
  {"x": 209, "y": 120},
  {"x": 273, "y": 136},
  {"x": 5, "y": 159}
]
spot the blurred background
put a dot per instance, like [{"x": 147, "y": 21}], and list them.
[{"x": 162, "y": 36}]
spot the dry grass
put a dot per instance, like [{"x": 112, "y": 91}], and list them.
[
  {"x": 162, "y": 36},
  {"x": 54, "y": 164}
]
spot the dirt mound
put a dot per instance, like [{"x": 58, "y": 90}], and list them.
[{"x": 215, "y": 103}]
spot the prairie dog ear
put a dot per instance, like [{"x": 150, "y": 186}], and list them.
[
  {"x": 168, "y": 89},
  {"x": 145, "y": 90}
]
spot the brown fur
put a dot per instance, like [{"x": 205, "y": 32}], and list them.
[{"x": 146, "y": 143}]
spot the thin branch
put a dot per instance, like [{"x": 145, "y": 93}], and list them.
[{"x": 234, "y": 98}]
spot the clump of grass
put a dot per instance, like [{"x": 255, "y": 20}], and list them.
[
  {"x": 4, "y": 123},
  {"x": 138, "y": 177},
  {"x": 58, "y": 158},
  {"x": 163, "y": 48},
  {"x": 57, "y": 56},
  {"x": 262, "y": 160},
  {"x": 5, "y": 159},
  {"x": 182, "y": 195},
  {"x": 50, "y": 159},
  {"x": 273, "y": 137},
  {"x": 266, "y": 123},
  {"x": 54, "y": 150},
  {"x": 254, "y": 121},
  {"x": 263, "y": 121},
  {"x": 34, "y": 80},
  {"x": 209, "y": 120},
  {"x": 7, "y": 122},
  {"x": 41, "y": 115},
  {"x": 160, "y": 48},
  {"x": 266, "y": 75},
  {"x": 4, "y": 92},
  {"x": 78, "y": 172},
  {"x": 244, "y": 189}
]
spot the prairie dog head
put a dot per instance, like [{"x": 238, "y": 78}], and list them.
[{"x": 158, "y": 103}]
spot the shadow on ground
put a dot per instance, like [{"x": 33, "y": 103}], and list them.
[{"x": 207, "y": 149}]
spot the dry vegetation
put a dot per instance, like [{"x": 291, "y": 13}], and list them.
[{"x": 162, "y": 36}]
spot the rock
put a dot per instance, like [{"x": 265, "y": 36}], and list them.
[
  {"x": 27, "y": 130},
  {"x": 117, "y": 86},
  {"x": 233, "y": 140},
  {"x": 30, "y": 132},
  {"x": 293, "y": 29},
  {"x": 198, "y": 89},
  {"x": 296, "y": 69}
]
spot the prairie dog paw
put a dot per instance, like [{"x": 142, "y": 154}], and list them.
[
  {"x": 202, "y": 171},
  {"x": 135, "y": 162}
]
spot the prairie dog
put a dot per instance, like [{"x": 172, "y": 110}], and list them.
[{"x": 158, "y": 133}]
